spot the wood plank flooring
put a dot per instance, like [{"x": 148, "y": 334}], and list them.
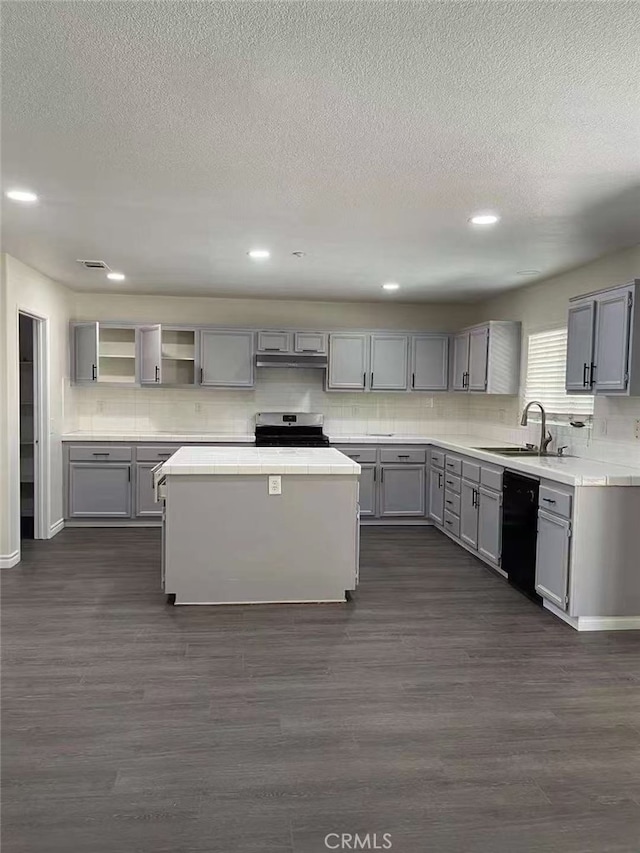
[{"x": 440, "y": 707}]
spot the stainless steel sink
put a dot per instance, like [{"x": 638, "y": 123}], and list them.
[{"x": 523, "y": 451}]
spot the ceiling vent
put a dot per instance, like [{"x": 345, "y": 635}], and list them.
[{"x": 93, "y": 265}]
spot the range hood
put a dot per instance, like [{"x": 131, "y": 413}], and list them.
[{"x": 291, "y": 360}]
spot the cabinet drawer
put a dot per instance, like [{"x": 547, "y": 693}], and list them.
[
  {"x": 360, "y": 454},
  {"x": 452, "y": 524},
  {"x": 414, "y": 456},
  {"x": 491, "y": 478},
  {"x": 99, "y": 453},
  {"x": 452, "y": 502},
  {"x": 471, "y": 471},
  {"x": 154, "y": 454},
  {"x": 437, "y": 458},
  {"x": 452, "y": 483},
  {"x": 554, "y": 501},
  {"x": 453, "y": 464}
]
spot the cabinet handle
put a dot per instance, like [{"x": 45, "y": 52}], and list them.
[
  {"x": 413, "y": 380},
  {"x": 585, "y": 374},
  {"x": 364, "y": 379},
  {"x": 447, "y": 521},
  {"x": 382, "y": 475},
  {"x": 439, "y": 479},
  {"x": 94, "y": 372},
  {"x": 371, "y": 386},
  {"x": 404, "y": 456},
  {"x": 375, "y": 475},
  {"x": 271, "y": 349},
  {"x": 164, "y": 455},
  {"x": 129, "y": 473},
  {"x": 449, "y": 502},
  {"x": 309, "y": 350},
  {"x": 201, "y": 376},
  {"x": 548, "y": 500},
  {"x": 104, "y": 453},
  {"x": 592, "y": 374},
  {"x": 157, "y": 373}
]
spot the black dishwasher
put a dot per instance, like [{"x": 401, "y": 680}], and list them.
[{"x": 520, "y": 532}]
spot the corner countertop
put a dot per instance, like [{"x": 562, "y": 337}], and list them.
[
  {"x": 572, "y": 471},
  {"x": 259, "y": 460}
]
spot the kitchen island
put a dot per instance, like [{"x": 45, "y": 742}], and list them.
[{"x": 250, "y": 525}]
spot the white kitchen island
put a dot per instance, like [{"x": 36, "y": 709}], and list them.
[{"x": 227, "y": 539}]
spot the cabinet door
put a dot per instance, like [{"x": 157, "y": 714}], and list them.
[
  {"x": 490, "y": 524},
  {"x": 460, "y": 361},
  {"x": 612, "y": 341},
  {"x": 389, "y": 362},
  {"x": 436, "y": 495},
  {"x": 145, "y": 500},
  {"x": 430, "y": 363},
  {"x": 85, "y": 352},
  {"x": 368, "y": 482},
  {"x": 100, "y": 489},
  {"x": 402, "y": 490},
  {"x": 580, "y": 328},
  {"x": 311, "y": 342},
  {"x": 274, "y": 341},
  {"x": 552, "y": 558},
  {"x": 348, "y": 362},
  {"x": 478, "y": 359},
  {"x": 469, "y": 514},
  {"x": 226, "y": 359},
  {"x": 150, "y": 354}
]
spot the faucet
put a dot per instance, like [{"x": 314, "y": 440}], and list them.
[{"x": 545, "y": 437}]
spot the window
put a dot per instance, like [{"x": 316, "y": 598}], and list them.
[{"x": 546, "y": 365}]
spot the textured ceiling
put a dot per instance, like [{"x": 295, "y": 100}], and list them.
[{"x": 169, "y": 138}]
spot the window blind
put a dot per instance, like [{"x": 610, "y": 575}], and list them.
[{"x": 546, "y": 366}]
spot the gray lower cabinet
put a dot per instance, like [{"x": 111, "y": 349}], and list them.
[
  {"x": 402, "y": 490},
  {"x": 490, "y": 524},
  {"x": 368, "y": 478},
  {"x": 146, "y": 505},
  {"x": 226, "y": 359},
  {"x": 552, "y": 558},
  {"x": 469, "y": 514},
  {"x": 436, "y": 495},
  {"x": 99, "y": 490}
]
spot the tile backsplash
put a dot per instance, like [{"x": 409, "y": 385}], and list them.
[{"x": 97, "y": 408}]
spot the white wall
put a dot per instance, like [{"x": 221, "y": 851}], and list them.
[
  {"x": 544, "y": 306},
  {"x": 24, "y": 289}
]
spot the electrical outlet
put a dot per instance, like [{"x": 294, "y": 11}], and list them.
[
  {"x": 197, "y": 408},
  {"x": 637, "y": 429},
  {"x": 275, "y": 484}
]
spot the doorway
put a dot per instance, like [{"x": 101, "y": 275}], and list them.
[{"x": 28, "y": 419}]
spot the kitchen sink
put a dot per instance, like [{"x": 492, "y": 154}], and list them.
[{"x": 523, "y": 451}]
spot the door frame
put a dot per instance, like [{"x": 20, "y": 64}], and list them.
[{"x": 41, "y": 420}]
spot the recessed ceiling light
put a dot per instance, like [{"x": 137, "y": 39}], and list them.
[
  {"x": 116, "y": 276},
  {"x": 391, "y": 285},
  {"x": 259, "y": 254},
  {"x": 528, "y": 272},
  {"x": 484, "y": 219},
  {"x": 22, "y": 195}
]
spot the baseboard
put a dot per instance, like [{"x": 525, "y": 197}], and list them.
[
  {"x": 595, "y": 623},
  {"x": 56, "y": 528},
  {"x": 365, "y": 521},
  {"x": 8, "y": 561},
  {"x": 74, "y": 522},
  {"x": 473, "y": 553}
]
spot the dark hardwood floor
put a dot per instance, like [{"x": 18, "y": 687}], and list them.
[{"x": 440, "y": 707}]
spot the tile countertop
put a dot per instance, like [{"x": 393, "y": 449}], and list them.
[
  {"x": 573, "y": 471},
  {"x": 259, "y": 460}
]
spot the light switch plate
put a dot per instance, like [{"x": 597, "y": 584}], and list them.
[{"x": 275, "y": 484}]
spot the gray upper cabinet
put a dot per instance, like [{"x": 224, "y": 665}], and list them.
[
  {"x": 486, "y": 358},
  {"x": 469, "y": 514},
  {"x": 99, "y": 490},
  {"x": 226, "y": 359},
  {"x": 460, "y": 361},
  {"x": 478, "y": 359},
  {"x": 490, "y": 524},
  {"x": 436, "y": 495},
  {"x": 85, "y": 352},
  {"x": 368, "y": 477},
  {"x": 552, "y": 558},
  {"x": 430, "y": 362},
  {"x": 603, "y": 349},
  {"x": 402, "y": 490},
  {"x": 274, "y": 341},
  {"x": 146, "y": 506},
  {"x": 612, "y": 341},
  {"x": 580, "y": 336},
  {"x": 348, "y": 362},
  {"x": 310, "y": 342},
  {"x": 389, "y": 362},
  {"x": 150, "y": 354}
]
